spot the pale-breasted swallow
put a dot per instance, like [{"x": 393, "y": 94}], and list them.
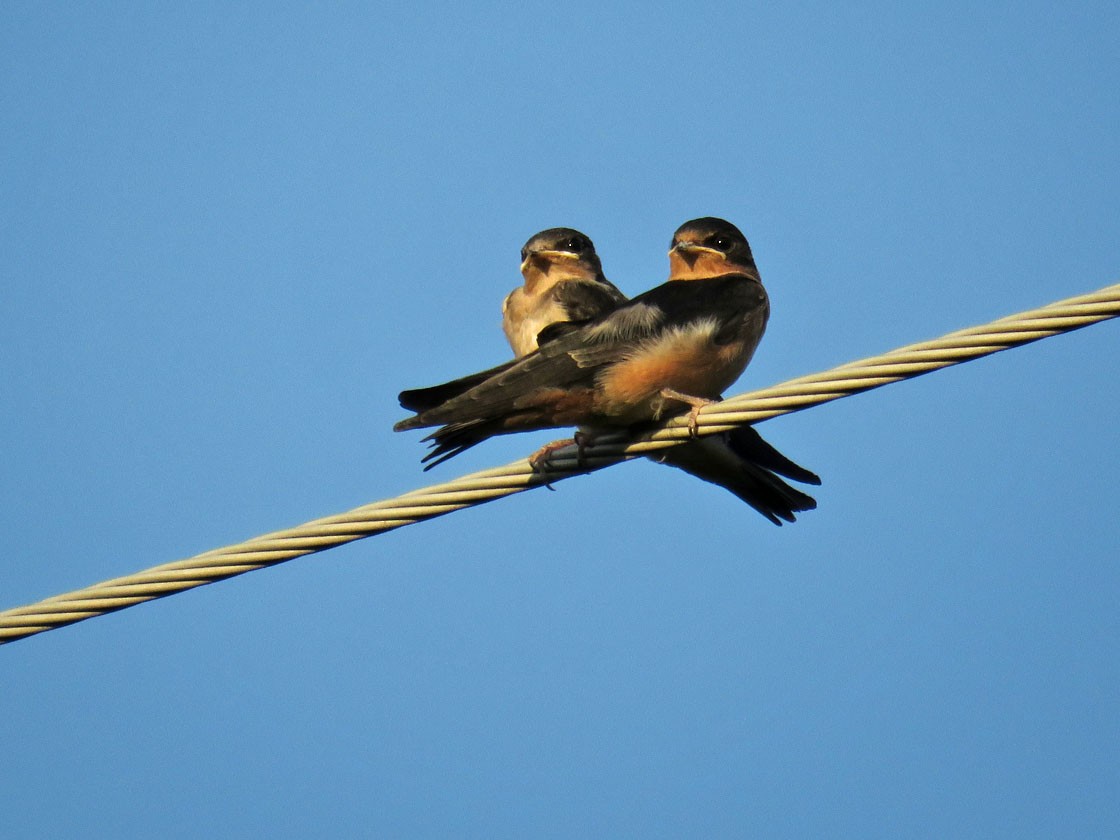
[{"x": 564, "y": 282}]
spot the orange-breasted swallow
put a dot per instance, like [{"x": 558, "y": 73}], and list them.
[{"x": 564, "y": 283}]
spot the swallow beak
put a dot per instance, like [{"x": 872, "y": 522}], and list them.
[
  {"x": 686, "y": 247},
  {"x": 544, "y": 257},
  {"x": 690, "y": 251}
]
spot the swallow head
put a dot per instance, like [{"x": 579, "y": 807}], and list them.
[
  {"x": 709, "y": 247},
  {"x": 559, "y": 254}
]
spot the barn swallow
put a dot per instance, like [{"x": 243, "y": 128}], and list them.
[
  {"x": 564, "y": 284},
  {"x": 672, "y": 349}
]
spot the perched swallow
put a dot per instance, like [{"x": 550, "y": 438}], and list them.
[
  {"x": 673, "y": 348},
  {"x": 564, "y": 284}
]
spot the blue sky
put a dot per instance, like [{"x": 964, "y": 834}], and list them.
[{"x": 229, "y": 237}]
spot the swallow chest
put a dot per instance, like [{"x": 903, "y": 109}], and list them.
[
  {"x": 701, "y": 358},
  {"x": 525, "y": 315}
]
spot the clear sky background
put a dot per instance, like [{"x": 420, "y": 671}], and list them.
[{"x": 229, "y": 235}]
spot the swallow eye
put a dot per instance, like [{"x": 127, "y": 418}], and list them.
[
  {"x": 573, "y": 245},
  {"x": 722, "y": 243}
]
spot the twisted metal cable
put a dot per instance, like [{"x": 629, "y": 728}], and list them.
[{"x": 478, "y": 488}]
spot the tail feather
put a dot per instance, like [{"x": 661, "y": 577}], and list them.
[
  {"x": 448, "y": 441},
  {"x": 425, "y": 399},
  {"x": 748, "y": 444},
  {"x": 769, "y": 495},
  {"x": 714, "y": 460},
  {"x": 415, "y": 422}
]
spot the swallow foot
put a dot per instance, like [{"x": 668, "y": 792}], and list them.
[
  {"x": 583, "y": 440},
  {"x": 697, "y": 403},
  {"x": 539, "y": 459}
]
